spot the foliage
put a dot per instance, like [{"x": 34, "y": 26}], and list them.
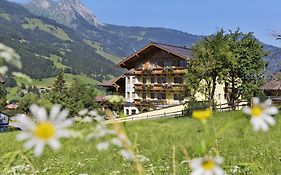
[
  {"x": 245, "y": 72},
  {"x": 75, "y": 98},
  {"x": 209, "y": 65},
  {"x": 3, "y": 98},
  {"x": 234, "y": 59}
]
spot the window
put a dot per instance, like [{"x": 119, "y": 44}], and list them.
[
  {"x": 161, "y": 80},
  {"x": 134, "y": 80},
  {"x": 152, "y": 80},
  {"x": 144, "y": 95},
  {"x": 168, "y": 63},
  {"x": 176, "y": 97},
  {"x": 164, "y": 80},
  {"x": 134, "y": 112},
  {"x": 178, "y": 80},
  {"x": 128, "y": 80},
  {"x": 154, "y": 63},
  {"x": 152, "y": 95},
  {"x": 128, "y": 94},
  {"x": 127, "y": 112},
  {"x": 161, "y": 96},
  {"x": 183, "y": 63},
  {"x": 144, "y": 80},
  {"x": 133, "y": 95}
]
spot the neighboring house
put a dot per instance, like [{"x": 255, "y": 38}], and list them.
[
  {"x": 115, "y": 86},
  {"x": 272, "y": 88}
]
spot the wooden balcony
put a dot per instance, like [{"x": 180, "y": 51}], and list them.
[
  {"x": 159, "y": 87},
  {"x": 160, "y": 71},
  {"x": 149, "y": 102},
  {"x": 178, "y": 88}
]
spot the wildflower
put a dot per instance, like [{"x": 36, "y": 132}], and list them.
[
  {"x": 261, "y": 114},
  {"x": 126, "y": 154},
  {"x": 202, "y": 115},
  {"x": 210, "y": 166},
  {"x": 45, "y": 130},
  {"x": 102, "y": 146}
]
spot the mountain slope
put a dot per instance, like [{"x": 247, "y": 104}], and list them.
[
  {"x": 65, "y": 11},
  {"x": 119, "y": 41},
  {"x": 46, "y": 46}
]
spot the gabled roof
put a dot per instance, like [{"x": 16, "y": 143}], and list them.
[
  {"x": 272, "y": 85},
  {"x": 110, "y": 83},
  {"x": 182, "y": 52}
]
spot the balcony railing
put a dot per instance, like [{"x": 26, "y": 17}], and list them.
[
  {"x": 159, "y": 87},
  {"x": 150, "y": 102},
  {"x": 161, "y": 71}
]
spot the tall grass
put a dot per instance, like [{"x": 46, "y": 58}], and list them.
[{"x": 244, "y": 151}]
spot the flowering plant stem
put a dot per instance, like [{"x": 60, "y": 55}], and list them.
[
  {"x": 126, "y": 143},
  {"x": 16, "y": 155}
]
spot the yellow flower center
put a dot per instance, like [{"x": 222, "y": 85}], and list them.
[
  {"x": 44, "y": 130},
  {"x": 202, "y": 115},
  {"x": 208, "y": 164},
  {"x": 256, "y": 111}
]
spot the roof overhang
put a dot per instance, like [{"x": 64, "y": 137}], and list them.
[{"x": 126, "y": 63}]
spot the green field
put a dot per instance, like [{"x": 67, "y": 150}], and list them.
[
  {"x": 244, "y": 151},
  {"x": 13, "y": 93},
  {"x": 5, "y": 16},
  {"x": 33, "y": 23},
  {"x": 100, "y": 51}
]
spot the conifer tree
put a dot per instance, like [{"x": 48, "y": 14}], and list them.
[{"x": 3, "y": 98}]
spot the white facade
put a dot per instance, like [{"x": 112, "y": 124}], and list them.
[{"x": 130, "y": 95}]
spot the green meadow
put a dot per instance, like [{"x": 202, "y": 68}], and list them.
[{"x": 244, "y": 151}]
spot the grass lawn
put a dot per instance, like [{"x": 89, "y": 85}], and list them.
[
  {"x": 33, "y": 23},
  {"x": 244, "y": 151}
]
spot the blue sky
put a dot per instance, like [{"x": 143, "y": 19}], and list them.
[{"x": 199, "y": 17}]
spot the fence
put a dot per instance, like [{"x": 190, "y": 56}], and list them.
[{"x": 179, "y": 113}]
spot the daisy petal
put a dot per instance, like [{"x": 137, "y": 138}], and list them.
[
  {"x": 271, "y": 110},
  {"x": 28, "y": 145},
  {"x": 218, "y": 171},
  {"x": 198, "y": 171},
  {"x": 63, "y": 114},
  {"x": 23, "y": 136},
  {"x": 39, "y": 148},
  {"x": 247, "y": 110},
  {"x": 256, "y": 101},
  {"x": 270, "y": 120},
  {"x": 41, "y": 114},
  {"x": 54, "y": 144},
  {"x": 54, "y": 111},
  {"x": 195, "y": 163}
]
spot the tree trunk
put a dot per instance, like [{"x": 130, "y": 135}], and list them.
[
  {"x": 214, "y": 82},
  {"x": 233, "y": 93}
]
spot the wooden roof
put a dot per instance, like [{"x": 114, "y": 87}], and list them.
[
  {"x": 112, "y": 82},
  {"x": 182, "y": 52},
  {"x": 272, "y": 85}
]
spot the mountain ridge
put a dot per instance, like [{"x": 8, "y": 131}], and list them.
[{"x": 115, "y": 42}]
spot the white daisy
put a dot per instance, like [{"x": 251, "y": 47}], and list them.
[
  {"x": 44, "y": 130},
  {"x": 261, "y": 114},
  {"x": 206, "y": 166}
]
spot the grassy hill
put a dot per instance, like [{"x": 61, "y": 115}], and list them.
[
  {"x": 244, "y": 151},
  {"x": 14, "y": 94}
]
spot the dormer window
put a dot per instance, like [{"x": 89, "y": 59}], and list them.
[
  {"x": 183, "y": 63},
  {"x": 168, "y": 63}
]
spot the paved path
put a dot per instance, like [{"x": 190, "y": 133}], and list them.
[{"x": 169, "y": 112}]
